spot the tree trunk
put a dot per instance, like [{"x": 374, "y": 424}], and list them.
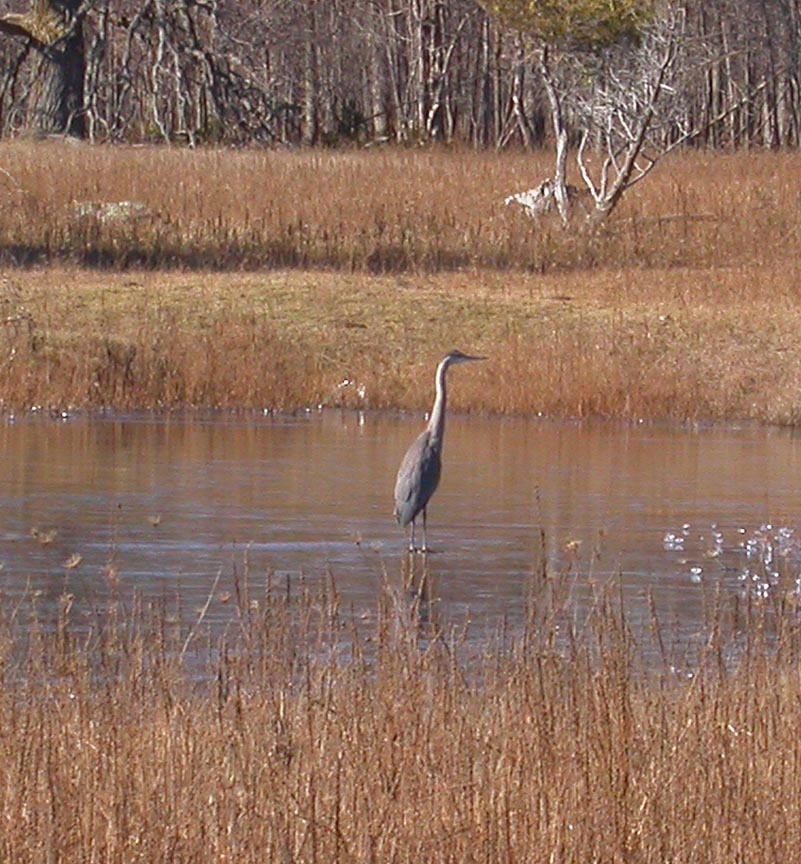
[
  {"x": 310, "y": 78},
  {"x": 482, "y": 131},
  {"x": 56, "y": 99},
  {"x": 379, "y": 114},
  {"x": 560, "y": 133}
]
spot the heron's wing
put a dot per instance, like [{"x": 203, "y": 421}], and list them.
[{"x": 418, "y": 477}]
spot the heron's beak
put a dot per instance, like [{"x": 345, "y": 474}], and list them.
[{"x": 459, "y": 357}]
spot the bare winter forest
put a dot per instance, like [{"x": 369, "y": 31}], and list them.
[{"x": 332, "y": 72}]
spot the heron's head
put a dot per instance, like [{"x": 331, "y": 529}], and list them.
[{"x": 456, "y": 357}]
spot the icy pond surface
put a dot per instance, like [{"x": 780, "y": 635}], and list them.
[{"x": 168, "y": 504}]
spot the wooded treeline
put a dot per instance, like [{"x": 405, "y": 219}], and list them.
[{"x": 339, "y": 71}]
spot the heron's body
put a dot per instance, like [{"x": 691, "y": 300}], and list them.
[
  {"x": 418, "y": 478},
  {"x": 419, "y": 472}
]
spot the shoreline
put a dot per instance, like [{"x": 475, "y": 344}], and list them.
[{"x": 678, "y": 345}]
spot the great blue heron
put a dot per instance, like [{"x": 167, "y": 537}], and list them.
[{"x": 418, "y": 475}]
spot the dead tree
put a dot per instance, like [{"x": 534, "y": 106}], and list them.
[
  {"x": 177, "y": 75},
  {"x": 622, "y": 106}
]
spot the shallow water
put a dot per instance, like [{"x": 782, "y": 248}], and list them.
[{"x": 90, "y": 506}]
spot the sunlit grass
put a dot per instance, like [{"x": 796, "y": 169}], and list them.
[
  {"x": 673, "y": 343},
  {"x": 284, "y": 280},
  {"x": 379, "y": 210},
  {"x": 139, "y": 733}
]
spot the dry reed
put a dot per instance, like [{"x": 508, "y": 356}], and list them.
[
  {"x": 383, "y": 210},
  {"x": 685, "y": 306},
  {"x": 634, "y": 344},
  {"x": 308, "y": 738}
]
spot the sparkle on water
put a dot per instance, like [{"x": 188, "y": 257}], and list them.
[{"x": 764, "y": 560}]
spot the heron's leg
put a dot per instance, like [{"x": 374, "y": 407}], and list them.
[
  {"x": 411, "y": 538},
  {"x": 425, "y": 537}
]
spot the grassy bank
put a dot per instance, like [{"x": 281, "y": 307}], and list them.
[
  {"x": 558, "y": 748},
  {"x": 674, "y": 343},
  {"x": 268, "y": 280}
]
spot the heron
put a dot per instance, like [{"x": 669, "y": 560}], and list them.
[{"x": 419, "y": 472}]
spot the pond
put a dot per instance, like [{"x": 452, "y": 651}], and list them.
[{"x": 165, "y": 504}]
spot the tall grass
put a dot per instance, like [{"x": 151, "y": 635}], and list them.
[
  {"x": 717, "y": 344},
  {"x": 308, "y": 738},
  {"x": 382, "y": 210},
  {"x": 684, "y": 306}
]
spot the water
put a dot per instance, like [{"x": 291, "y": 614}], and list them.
[{"x": 91, "y": 506}]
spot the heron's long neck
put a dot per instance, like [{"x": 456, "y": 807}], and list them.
[{"x": 436, "y": 423}]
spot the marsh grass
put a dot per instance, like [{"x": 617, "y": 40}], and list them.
[
  {"x": 376, "y": 211},
  {"x": 688, "y": 345},
  {"x": 308, "y": 737},
  {"x": 286, "y": 280}
]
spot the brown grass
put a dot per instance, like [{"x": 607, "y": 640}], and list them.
[
  {"x": 379, "y": 210},
  {"x": 555, "y": 748},
  {"x": 636, "y": 344},
  {"x": 685, "y": 306}
]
